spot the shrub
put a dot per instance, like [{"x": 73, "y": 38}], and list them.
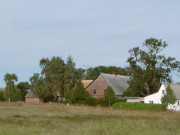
[
  {"x": 77, "y": 95},
  {"x": 169, "y": 98},
  {"x": 109, "y": 97},
  {"x": 128, "y": 93},
  {"x": 139, "y": 106},
  {"x": 2, "y": 98},
  {"x": 90, "y": 101},
  {"x": 121, "y": 100}
]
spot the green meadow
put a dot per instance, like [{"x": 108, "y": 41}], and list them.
[{"x": 59, "y": 119}]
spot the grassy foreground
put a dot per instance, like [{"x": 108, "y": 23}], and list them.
[{"x": 58, "y": 119}]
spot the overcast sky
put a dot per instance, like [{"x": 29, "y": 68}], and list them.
[{"x": 93, "y": 32}]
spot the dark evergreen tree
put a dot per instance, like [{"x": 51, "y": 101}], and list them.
[
  {"x": 169, "y": 97},
  {"x": 109, "y": 96}
]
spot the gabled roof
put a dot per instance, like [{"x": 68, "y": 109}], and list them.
[
  {"x": 118, "y": 83},
  {"x": 30, "y": 94},
  {"x": 175, "y": 88},
  {"x": 86, "y": 82}
]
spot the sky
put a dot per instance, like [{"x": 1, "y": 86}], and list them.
[{"x": 93, "y": 32}]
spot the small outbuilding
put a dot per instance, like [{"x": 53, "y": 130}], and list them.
[
  {"x": 135, "y": 99},
  {"x": 32, "y": 98}
]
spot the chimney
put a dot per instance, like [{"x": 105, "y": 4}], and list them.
[{"x": 114, "y": 72}]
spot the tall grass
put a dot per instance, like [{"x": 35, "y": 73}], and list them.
[
  {"x": 140, "y": 106},
  {"x": 59, "y": 119}
]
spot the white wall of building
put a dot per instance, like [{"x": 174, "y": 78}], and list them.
[
  {"x": 156, "y": 97},
  {"x": 175, "y": 107}
]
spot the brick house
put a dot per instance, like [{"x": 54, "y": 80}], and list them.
[
  {"x": 31, "y": 98},
  {"x": 98, "y": 87}
]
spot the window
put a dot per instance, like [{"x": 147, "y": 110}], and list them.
[
  {"x": 163, "y": 91},
  {"x": 151, "y": 102},
  {"x": 94, "y": 91}
]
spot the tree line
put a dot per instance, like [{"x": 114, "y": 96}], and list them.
[
  {"x": 148, "y": 68},
  {"x": 57, "y": 78}
]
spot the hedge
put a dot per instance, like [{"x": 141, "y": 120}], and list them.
[{"x": 139, "y": 106}]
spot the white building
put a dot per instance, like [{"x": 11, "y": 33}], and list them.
[{"x": 156, "y": 97}]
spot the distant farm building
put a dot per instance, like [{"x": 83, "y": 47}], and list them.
[
  {"x": 31, "y": 98},
  {"x": 86, "y": 82},
  {"x": 156, "y": 97},
  {"x": 135, "y": 99},
  {"x": 98, "y": 87}
]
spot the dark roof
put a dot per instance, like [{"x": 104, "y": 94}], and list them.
[
  {"x": 30, "y": 94},
  {"x": 175, "y": 88},
  {"x": 118, "y": 83},
  {"x": 2, "y": 89}
]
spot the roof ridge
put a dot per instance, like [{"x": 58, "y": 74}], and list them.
[{"x": 115, "y": 75}]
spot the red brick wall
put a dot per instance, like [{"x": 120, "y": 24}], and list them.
[
  {"x": 99, "y": 85},
  {"x": 32, "y": 100}
]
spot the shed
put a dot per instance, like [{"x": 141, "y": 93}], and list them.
[
  {"x": 32, "y": 98},
  {"x": 135, "y": 99}
]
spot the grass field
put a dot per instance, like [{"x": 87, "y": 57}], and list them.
[{"x": 58, "y": 119}]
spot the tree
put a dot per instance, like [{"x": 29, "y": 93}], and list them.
[
  {"x": 80, "y": 74},
  {"x": 53, "y": 73},
  {"x": 11, "y": 92},
  {"x": 149, "y": 67},
  {"x": 129, "y": 92},
  {"x": 23, "y": 88},
  {"x": 93, "y": 72},
  {"x": 78, "y": 94},
  {"x": 109, "y": 96},
  {"x": 2, "y": 98},
  {"x": 38, "y": 86},
  {"x": 169, "y": 97},
  {"x": 69, "y": 74}
]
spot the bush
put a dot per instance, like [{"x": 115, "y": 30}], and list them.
[
  {"x": 2, "y": 98},
  {"x": 128, "y": 93},
  {"x": 139, "y": 106},
  {"x": 77, "y": 95},
  {"x": 109, "y": 97},
  {"x": 89, "y": 101},
  {"x": 169, "y": 98},
  {"x": 121, "y": 100}
]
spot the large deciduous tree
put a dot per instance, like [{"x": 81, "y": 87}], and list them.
[
  {"x": 10, "y": 90},
  {"x": 150, "y": 67},
  {"x": 69, "y": 74},
  {"x": 23, "y": 87},
  {"x": 93, "y": 72},
  {"x": 57, "y": 77},
  {"x": 38, "y": 86},
  {"x": 53, "y": 72}
]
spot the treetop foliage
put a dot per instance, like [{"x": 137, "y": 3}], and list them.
[
  {"x": 149, "y": 67},
  {"x": 93, "y": 72}
]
